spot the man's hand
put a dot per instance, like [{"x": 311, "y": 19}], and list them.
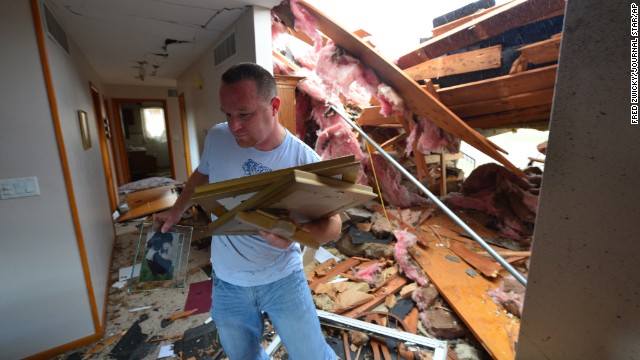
[
  {"x": 165, "y": 220},
  {"x": 275, "y": 240}
]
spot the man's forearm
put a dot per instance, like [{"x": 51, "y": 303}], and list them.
[{"x": 184, "y": 200}]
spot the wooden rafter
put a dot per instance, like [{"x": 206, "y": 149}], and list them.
[
  {"x": 476, "y": 60},
  {"x": 535, "y": 116},
  {"x": 514, "y": 102},
  {"x": 541, "y": 52},
  {"x": 500, "y": 87},
  {"x": 416, "y": 99},
  {"x": 509, "y": 16}
]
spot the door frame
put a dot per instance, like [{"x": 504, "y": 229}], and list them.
[
  {"x": 122, "y": 150},
  {"x": 102, "y": 122}
]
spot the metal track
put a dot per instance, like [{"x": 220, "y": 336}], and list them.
[{"x": 439, "y": 347}]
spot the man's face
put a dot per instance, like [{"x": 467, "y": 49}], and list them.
[{"x": 251, "y": 119}]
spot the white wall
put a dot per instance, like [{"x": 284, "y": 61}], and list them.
[
  {"x": 583, "y": 294},
  {"x": 203, "y": 107},
  {"x": 44, "y": 301},
  {"x": 173, "y": 117}
]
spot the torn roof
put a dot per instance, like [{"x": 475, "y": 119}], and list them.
[{"x": 491, "y": 69}]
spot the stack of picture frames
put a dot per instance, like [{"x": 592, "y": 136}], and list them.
[{"x": 282, "y": 201}]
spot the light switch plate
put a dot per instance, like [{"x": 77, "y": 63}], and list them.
[{"x": 19, "y": 187}]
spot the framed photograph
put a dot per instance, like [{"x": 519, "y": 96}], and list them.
[
  {"x": 161, "y": 257},
  {"x": 84, "y": 129}
]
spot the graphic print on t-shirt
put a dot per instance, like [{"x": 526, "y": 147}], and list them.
[{"x": 250, "y": 167}]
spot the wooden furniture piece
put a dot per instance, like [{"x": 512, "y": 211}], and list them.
[
  {"x": 287, "y": 92},
  {"x": 148, "y": 201}
]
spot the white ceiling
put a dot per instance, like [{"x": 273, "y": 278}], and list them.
[{"x": 118, "y": 36}]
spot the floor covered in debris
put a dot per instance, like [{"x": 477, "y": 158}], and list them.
[{"x": 412, "y": 268}]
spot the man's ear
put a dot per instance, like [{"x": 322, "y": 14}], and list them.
[{"x": 275, "y": 105}]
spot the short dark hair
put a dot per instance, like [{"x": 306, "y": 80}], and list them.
[{"x": 265, "y": 83}]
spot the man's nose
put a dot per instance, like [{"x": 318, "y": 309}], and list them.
[{"x": 234, "y": 123}]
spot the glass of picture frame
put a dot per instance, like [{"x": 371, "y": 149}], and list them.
[{"x": 161, "y": 257}]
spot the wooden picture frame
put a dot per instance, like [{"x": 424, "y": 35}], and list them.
[
  {"x": 84, "y": 129},
  {"x": 309, "y": 196}
]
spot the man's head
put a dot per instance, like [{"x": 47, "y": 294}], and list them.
[
  {"x": 248, "y": 98},
  {"x": 266, "y": 84}
]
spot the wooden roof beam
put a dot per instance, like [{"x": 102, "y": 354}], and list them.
[
  {"x": 526, "y": 117},
  {"x": 500, "y": 87},
  {"x": 509, "y": 16},
  {"x": 476, "y": 60},
  {"x": 519, "y": 101}
]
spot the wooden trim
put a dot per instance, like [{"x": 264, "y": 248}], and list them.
[
  {"x": 104, "y": 150},
  {"x": 53, "y": 104},
  {"x": 123, "y": 163},
  {"x": 115, "y": 155},
  {"x": 49, "y": 354},
  {"x": 470, "y": 61},
  {"x": 167, "y": 127},
  {"x": 185, "y": 133},
  {"x": 509, "y": 16}
]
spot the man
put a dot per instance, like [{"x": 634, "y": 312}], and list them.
[{"x": 255, "y": 274}]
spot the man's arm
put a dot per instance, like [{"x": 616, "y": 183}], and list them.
[
  {"x": 323, "y": 230},
  {"x": 171, "y": 217}
]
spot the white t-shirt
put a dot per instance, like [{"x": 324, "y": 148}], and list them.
[{"x": 249, "y": 260}]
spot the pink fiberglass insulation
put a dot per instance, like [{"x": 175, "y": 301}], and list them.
[
  {"x": 431, "y": 138},
  {"x": 370, "y": 274},
  {"x": 510, "y": 301},
  {"x": 337, "y": 141},
  {"x": 324, "y": 118},
  {"x": 495, "y": 190},
  {"x": 404, "y": 241},
  {"x": 305, "y": 22},
  {"x": 390, "y": 181},
  {"x": 277, "y": 29},
  {"x": 337, "y": 69},
  {"x": 390, "y": 102}
]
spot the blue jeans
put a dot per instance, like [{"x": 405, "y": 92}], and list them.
[{"x": 237, "y": 313}]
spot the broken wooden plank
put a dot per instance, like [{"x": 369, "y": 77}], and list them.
[
  {"x": 514, "y": 102},
  {"x": 486, "y": 266},
  {"x": 335, "y": 270},
  {"x": 371, "y": 116},
  {"x": 543, "y": 51},
  {"x": 416, "y": 99},
  {"x": 285, "y": 60},
  {"x": 533, "y": 117},
  {"x": 476, "y": 60},
  {"x": 500, "y": 87},
  {"x": 509, "y": 16},
  {"x": 467, "y": 295},
  {"x": 396, "y": 283}
]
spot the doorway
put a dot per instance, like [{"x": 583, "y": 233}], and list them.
[{"x": 144, "y": 135}]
